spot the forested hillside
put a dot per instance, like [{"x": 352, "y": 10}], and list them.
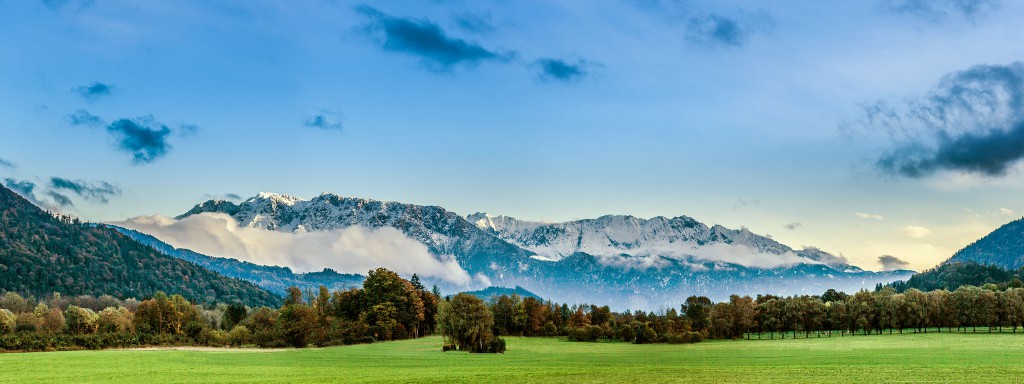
[
  {"x": 950, "y": 276},
  {"x": 1003, "y": 247},
  {"x": 41, "y": 254}
]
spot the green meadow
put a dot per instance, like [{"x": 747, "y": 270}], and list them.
[{"x": 946, "y": 358}]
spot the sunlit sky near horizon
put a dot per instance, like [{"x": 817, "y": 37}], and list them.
[{"x": 870, "y": 128}]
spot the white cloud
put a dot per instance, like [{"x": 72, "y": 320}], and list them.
[
  {"x": 916, "y": 232},
  {"x": 694, "y": 256},
  {"x": 483, "y": 279},
  {"x": 1006, "y": 211},
  {"x": 863, "y": 215},
  {"x": 353, "y": 249}
]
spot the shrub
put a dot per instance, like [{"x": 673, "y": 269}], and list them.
[
  {"x": 239, "y": 335},
  {"x": 78, "y": 320},
  {"x": 8, "y": 322},
  {"x": 216, "y": 337},
  {"x": 586, "y": 333},
  {"x": 645, "y": 334}
]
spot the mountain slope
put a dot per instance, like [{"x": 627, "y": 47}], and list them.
[
  {"x": 272, "y": 278},
  {"x": 1004, "y": 247},
  {"x": 622, "y": 261},
  {"x": 618, "y": 234},
  {"x": 41, "y": 254},
  {"x": 442, "y": 231}
]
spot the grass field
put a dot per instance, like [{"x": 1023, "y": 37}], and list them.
[{"x": 944, "y": 358}]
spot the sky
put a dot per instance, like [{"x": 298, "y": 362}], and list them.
[{"x": 887, "y": 131}]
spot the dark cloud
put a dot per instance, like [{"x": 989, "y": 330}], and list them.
[
  {"x": 28, "y": 189},
  {"x": 7, "y": 164},
  {"x": 793, "y": 226},
  {"x": 971, "y": 122},
  {"x": 100, "y": 191},
  {"x": 474, "y": 23},
  {"x": 943, "y": 10},
  {"x": 716, "y": 30},
  {"x": 61, "y": 200},
  {"x": 426, "y": 40},
  {"x": 144, "y": 138},
  {"x": 892, "y": 263},
  {"x": 324, "y": 119},
  {"x": 24, "y": 188},
  {"x": 233, "y": 196},
  {"x": 560, "y": 70},
  {"x": 83, "y": 117},
  {"x": 93, "y": 91}
]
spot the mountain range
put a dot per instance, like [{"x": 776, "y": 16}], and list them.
[{"x": 623, "y": 261}]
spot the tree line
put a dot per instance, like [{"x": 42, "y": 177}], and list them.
[
  {"x": 389, "y": 307},
  {"x": 989, "y": 308}
]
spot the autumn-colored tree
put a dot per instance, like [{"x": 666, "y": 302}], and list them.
[{"x": 466, "y": 322}]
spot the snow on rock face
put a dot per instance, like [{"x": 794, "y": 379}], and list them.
[
  {"x": 443, "y": 232},
  {"x": 614, "y": 235}
]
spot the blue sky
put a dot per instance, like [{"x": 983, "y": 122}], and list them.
[{"x": 865, "y": 128}]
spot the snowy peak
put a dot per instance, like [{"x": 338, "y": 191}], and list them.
[
  {"x": 624, "y": 234},
  {"x": 442, "y": 231}
]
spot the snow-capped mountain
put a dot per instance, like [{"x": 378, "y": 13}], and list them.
[
  {"x": 443, "y": 232},
  {"x": 617, "y": 234},
  {"x": 622, "y": 261}
]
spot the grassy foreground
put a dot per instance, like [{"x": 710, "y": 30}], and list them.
[{"x": 981, "y": 358}]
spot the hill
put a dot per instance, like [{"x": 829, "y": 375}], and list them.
[
  {"x": 950, "y": 276},
  {"x": 1004, "y": 247},
  {"x": 41, "y": 254},
  {"x": 487, "y": 293}
]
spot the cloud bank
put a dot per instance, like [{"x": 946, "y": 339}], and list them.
[
  {"x": 350, "y": 250},
  {"x": 425, "y": 40},
  {"x": 694, "y": 256},
  {"x": 972, "y": 122}
]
